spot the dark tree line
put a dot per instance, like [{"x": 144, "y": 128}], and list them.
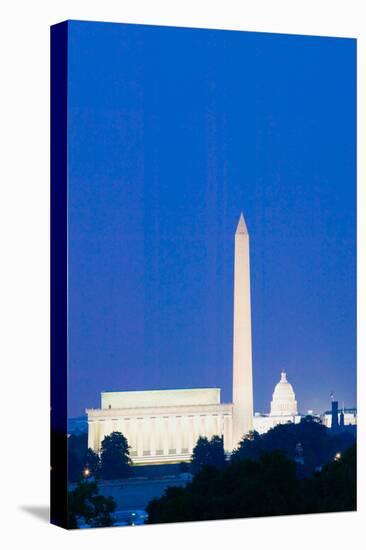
[
  {"x": 335, "y": 488},
  {"x": 263, "y": 487},
  {"x": 308, "y": 442},
  {"x": 266, "y": 475},
  {"x": 318, "y": 444},
  {"x": 291, "y": 469}
]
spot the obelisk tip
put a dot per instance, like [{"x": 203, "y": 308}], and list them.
[{"x": 242, "y": 227}]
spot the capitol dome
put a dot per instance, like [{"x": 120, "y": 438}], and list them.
[{"x": 283, "y": 399}]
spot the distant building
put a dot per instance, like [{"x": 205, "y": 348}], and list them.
[
  {"x": 345, "y": 417},
  {"x": 161, "y": 425},
  {"x": 283, "y": 408},
  {"x": 334, "y": 425}
]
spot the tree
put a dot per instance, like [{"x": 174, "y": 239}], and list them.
[
  {"x": 92, "y": 463},
  {"x": 77, "y": 449},
  {"x": 86, "y": 504},
  {"x": 318, "y": 443},
  {"x": 208, "y": 453},
  {"x": 243, "y": 489},
  {"x": 115, "y": 457},
  {"x": 255, "y": 488},
  {"x": 81, "y": 458},
  {"x": 249, "y": 447},
  {"x": 334, "y": 489}
]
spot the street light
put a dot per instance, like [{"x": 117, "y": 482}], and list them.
[
  {"x": 337, "y": 456},
  {"x": 86, "y": 472}
]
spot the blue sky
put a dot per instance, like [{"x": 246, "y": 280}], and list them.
[{"x": 172, "y": 132}]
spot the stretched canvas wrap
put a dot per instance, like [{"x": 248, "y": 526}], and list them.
[{"x": 203, "y": 274}]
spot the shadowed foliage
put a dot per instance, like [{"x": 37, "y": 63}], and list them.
[
  {"x": 80, "y": 457},
  {"x": 263, "y": 487},
  {"x": 318, "y": 443},
  {"x": 335, "y": 488},
  {"x": 208, "y": 453},
  {"x": 77, "y": 449},
  {"x": 114, "y": 457},
  {"x": 85, "y": 504},
  {"x": 92, "y": 463}
]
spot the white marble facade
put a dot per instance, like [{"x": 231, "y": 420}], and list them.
[{"x": 166, "y": 432}]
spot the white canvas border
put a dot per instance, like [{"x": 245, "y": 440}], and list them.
[{"x": 24, "y": 203}]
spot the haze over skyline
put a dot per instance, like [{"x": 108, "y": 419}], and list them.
[{"x": 172, "y": 133}]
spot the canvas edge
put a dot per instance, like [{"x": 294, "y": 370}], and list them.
[{"x": 58, "y": 211}]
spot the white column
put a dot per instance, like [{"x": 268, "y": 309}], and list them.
[
  {"x": 185, "y": 433},
  {"x": 145, "y": 435},
  {"x": 210, "y": 426},
  {"x": 166, "y": 436},
  {"x": 204, "y": 432},
  {"x": 91, "y": 434},
  {"x": 109, "y": 427},
  {"x": 97, "y": 440},
  {"x": 153, "y": 429},
  {"x": 102, "y": 430},
  {"x": 228, "y": 442},
  {"x": 172, "y": 431},
  {"x": 242, "y": 345},
  {"x": 178, "y": 435},
  {"x": 134, "y": 428},
  {"x": 190, "y": 428},
  {"x": 219, "y": 429},
  {"x": 159, "y": 423},
  {"x": 123, "y": 427},
  {"x": 196, "y": 429},
  {"x": 140, "y": 440}
]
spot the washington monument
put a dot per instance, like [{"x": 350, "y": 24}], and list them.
[{"x": 242, "y": 337}]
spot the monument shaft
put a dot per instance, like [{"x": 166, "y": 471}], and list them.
[{"x": 242, "y": 344}]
